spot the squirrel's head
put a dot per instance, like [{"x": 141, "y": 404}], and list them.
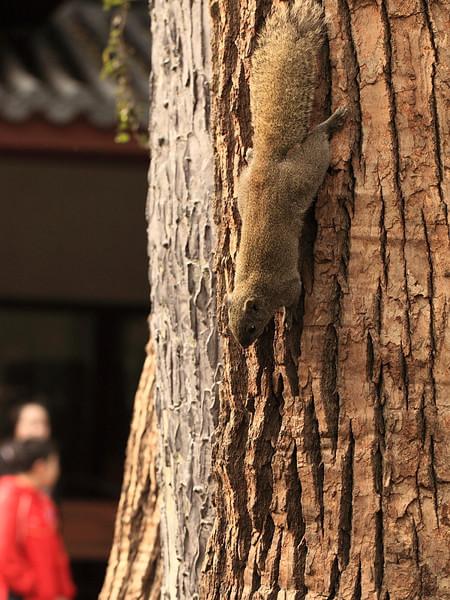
[{"x": 248, "y": 316}]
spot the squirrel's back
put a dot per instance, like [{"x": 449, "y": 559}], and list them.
[{"x": 284, "y": 76}]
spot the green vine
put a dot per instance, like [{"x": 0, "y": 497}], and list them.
[{"x": 115, "y": 57}]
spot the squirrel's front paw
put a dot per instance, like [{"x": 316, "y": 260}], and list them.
[{"x": 338, "y": 118}]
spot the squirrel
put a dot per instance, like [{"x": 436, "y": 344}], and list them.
[{"x": 285, "y": 171}]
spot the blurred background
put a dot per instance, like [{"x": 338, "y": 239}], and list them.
[{"x": 73, "y": 280}]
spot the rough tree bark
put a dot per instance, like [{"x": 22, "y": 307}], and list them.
[
  {"x": 182, "y": 326},
  {"x": 332, "y": 453},
  {"x": 333, "y": 445},
  {"x": 134, "y": 569},
  {"x": 182, "y": 320}
]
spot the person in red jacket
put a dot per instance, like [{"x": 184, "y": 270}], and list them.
[{"x": 33, "y": 562}]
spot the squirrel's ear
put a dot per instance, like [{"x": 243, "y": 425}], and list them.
[{"x": 251, "y": 305}]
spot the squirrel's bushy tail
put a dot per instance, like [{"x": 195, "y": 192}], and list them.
[{"x": 284, "y": 74}]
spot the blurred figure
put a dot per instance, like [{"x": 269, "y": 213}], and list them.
[
  {"x": 25, "y": 420},
  {"x": 29, "y": 420},
  {"x": 33, "y": 561}
]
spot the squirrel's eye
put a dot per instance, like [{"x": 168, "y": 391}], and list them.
[{"x": 252, "y": 328}]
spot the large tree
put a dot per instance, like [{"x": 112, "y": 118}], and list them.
[{"x": 332, "y": 452}]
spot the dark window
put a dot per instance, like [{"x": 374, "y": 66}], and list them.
[{"x": 86, "y": 364}]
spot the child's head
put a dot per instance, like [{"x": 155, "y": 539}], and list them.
[{"x": 37, "y": 458}]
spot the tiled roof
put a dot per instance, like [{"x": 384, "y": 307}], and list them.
[{"x": 54, "y": 71}]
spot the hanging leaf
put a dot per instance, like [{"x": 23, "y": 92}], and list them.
[{"x": 115, "y": 67}]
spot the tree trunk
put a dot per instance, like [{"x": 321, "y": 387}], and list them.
[
  {"x": 333, "y": 452},
  {"x": 182, "y": 321},
  {"x": 185, "y": 398},
  {"x": 134, "y": 569}
]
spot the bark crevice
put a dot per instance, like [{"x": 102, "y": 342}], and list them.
[
  {"x": 354, "y": 78},
  {"x": 312, "y": 445},
  {"x": 396, "y": 156},
  {"x": 431, "y": 296},
  {"x": 440, "y": 167},
  {"x": 346, "y": 503}
]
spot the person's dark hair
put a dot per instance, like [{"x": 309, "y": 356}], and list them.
[{"x": 20, "y": 456}]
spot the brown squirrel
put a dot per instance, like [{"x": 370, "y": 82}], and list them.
[{"x": 287, "y": 167}]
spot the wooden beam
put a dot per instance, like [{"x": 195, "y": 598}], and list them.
[{"x": 79, "y": 138}]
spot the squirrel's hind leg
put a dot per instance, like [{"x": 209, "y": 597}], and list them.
[{"x": 334, "y": 122}]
